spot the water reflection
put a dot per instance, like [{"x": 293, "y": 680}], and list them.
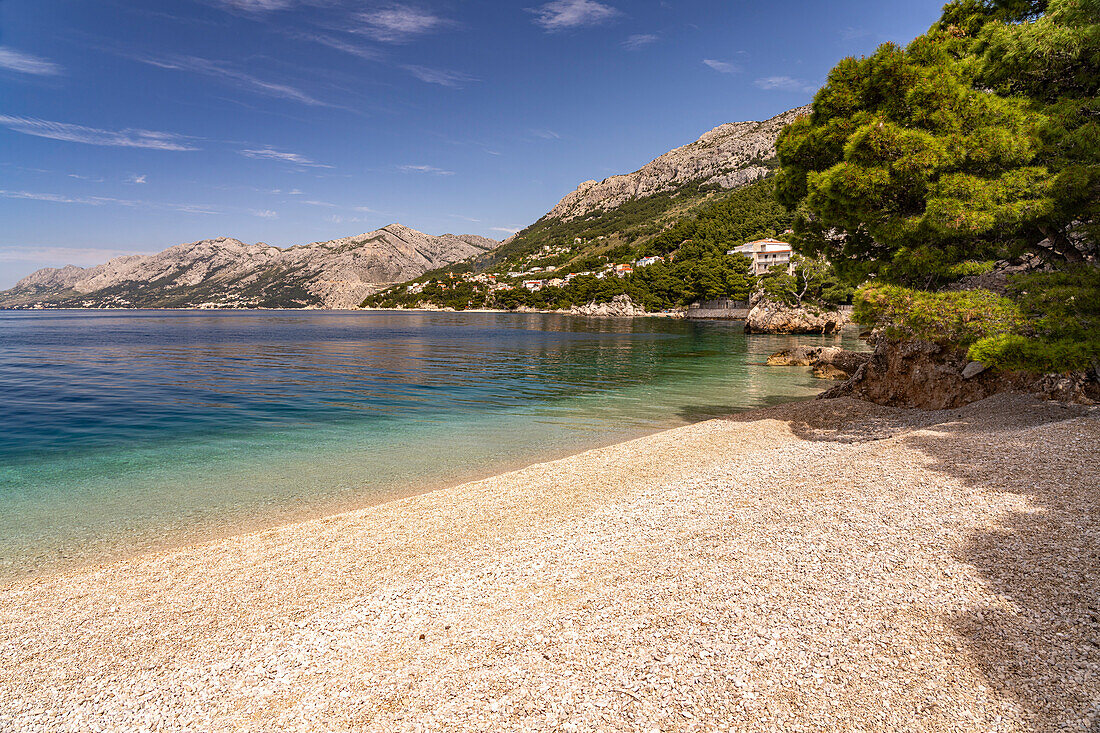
[{"x": 122, "y": 430}]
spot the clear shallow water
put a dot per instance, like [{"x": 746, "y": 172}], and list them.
[{"x": 122, "y": 431}]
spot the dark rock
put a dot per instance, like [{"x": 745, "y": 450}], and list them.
[{"x": 828, "y": 362}]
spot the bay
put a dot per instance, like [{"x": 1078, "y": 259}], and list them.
[{"x": 128, "y": 431}]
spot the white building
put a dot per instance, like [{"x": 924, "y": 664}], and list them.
[
  {"x": 533, "y": 285},
  {"x": 647, "y": 261},
  {"x": 765, "y": 254}
]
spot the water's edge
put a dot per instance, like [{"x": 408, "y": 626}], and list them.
[{"x": 138, "y": 431}]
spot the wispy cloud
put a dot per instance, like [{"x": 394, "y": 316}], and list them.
[
  {"x": 506, "y": 230},
  {"x": 722, "y": 67},
  {"x": 784, "y": 84},
  {"x": 425, "y": 169},
  {"x": 852, "y": 33},
  {"x": 128, "y": 138},
  {"x": 546, "y": 134},
  {"x": 563, "y": 14},
  {"x": 443, "y": 77},
  {"x": 136, "y": 179},
  {"x": 265, "y": 213},
  {"x": 67, "y": 255},
  {"x": 338, "y": 219},
  {"x": 314, "y": 202},
  {"x": 107, "y": 200},
  {"x": 256, "y": 6},
  {"x": 25, "y": 63},
  {"x": 225, "y": 72},
  {"x": 639, "y": 40},
  {"x": 282, "y": 156},
  {"x": 55, "y": 198},
  {"x": 399, "y": 23},
  {"x": 79, "y": 177},
  {"x": 325, "y": 39}
]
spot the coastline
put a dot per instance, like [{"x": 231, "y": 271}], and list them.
[
  {"x": 659, "y": 314},
  {"x": 816, "y": 564}
]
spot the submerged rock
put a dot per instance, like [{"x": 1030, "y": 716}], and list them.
[{"x": 828, "y": 362}]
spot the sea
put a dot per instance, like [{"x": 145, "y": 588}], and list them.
[{"x": 124, "y": 432}]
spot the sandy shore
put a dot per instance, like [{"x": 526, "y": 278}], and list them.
[{"x": 822, "y": 565}]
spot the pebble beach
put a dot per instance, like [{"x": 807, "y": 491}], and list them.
[{"x": 822, "y": 565}]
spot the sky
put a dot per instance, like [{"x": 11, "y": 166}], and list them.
[{"x": 129, "y": 126}]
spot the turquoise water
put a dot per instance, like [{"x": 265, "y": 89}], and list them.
[{"x": 124, "y": 431}]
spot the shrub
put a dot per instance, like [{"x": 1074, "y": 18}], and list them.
[
  {"x": 960, "y": 318},
  {"x": 1017, "y": 352},
  {"x": 970, "y": 268}
]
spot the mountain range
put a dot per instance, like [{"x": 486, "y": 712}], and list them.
[{"x": 227, "y": 273}]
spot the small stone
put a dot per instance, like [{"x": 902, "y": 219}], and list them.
[{"x": 973, "y": 369}]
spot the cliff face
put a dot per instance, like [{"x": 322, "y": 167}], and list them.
[
  {"x": 229, "y": 273},
  {"x": 932, "y": 377},
  {"x": 730, "y": 155}
]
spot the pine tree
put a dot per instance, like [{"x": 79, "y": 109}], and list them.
[{"x": 977, "y": 140}]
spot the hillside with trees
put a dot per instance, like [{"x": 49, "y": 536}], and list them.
[{"x": 689, "y": 232}]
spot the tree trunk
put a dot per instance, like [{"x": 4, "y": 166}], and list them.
[{"x": 1060, "y": 245}]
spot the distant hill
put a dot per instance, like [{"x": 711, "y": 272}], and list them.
[
  {"x": 226, "y": 272},
  {"x": 628, "y": 216}
]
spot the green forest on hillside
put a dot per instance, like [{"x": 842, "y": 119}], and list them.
[{"x": 693, "y": 245}]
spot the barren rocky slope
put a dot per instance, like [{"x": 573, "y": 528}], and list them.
[
  {"x": 730, "y": 155},
  {"x": 228, "y": 273}
]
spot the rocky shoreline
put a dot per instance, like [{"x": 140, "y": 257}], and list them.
[{"x": 919, "y": 374}]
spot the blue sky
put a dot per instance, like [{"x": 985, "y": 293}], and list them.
[{"x": 133, "y": 125}]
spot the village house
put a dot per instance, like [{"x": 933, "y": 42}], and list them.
[
  {"x": 533, "y": 285},
  {"x": 647, "y": 261},
  {"x": 765, "y": 254},
  {"x": 623, "y": 270}
]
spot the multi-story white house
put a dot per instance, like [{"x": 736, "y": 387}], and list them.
[{"x": 765, "y": 254}]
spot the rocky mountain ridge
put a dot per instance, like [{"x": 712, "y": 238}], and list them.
[
  {"x": 225, "y": 272},
  {"x": 731, "y": 155}
]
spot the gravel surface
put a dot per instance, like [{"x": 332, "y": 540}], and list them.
[{"x": 828, "y": 565}]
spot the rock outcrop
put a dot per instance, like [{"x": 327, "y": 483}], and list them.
[
  {"x": 766, "y": 316},
  {"x": 621, "y": 306},
  {"x": 932, "y": 377},
  {"x": 228, "y": 273},
  {"x": 730, "y": 155},
  {"x": 827, "y": 362}
]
